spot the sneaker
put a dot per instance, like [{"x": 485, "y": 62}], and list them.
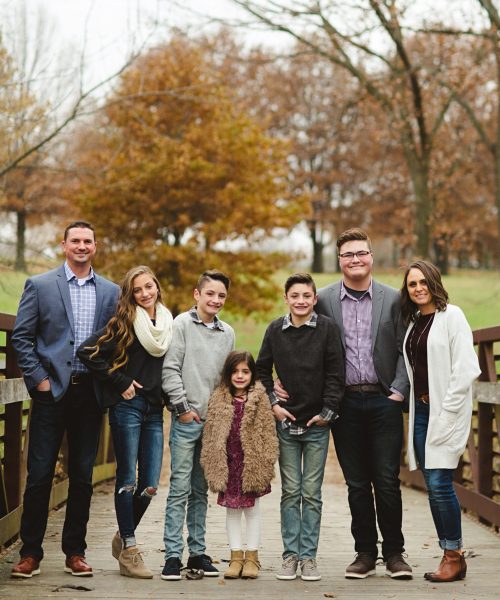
[
  {"x": 289, "y": 567},
  {"x": 309, "y": 570},
  {"x": 397, "y": 567},
  {"x": 172, "y": 569},
  {"x": 362, "y": 566},
  {"x": 203, "y": 563}
]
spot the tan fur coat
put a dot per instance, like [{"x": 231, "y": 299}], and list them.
[{"x": 258, "y": 440}]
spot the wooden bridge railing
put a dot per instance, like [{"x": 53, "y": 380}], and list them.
[
  {"x": 14, "y": 415},
  {"x": 477, "y": 479}
]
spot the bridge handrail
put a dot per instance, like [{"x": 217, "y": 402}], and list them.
[
  {"x": 14, "y": 416},
  {"x": 477, "y": 479}
]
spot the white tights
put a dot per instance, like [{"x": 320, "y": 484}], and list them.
[{"x": 234, "y": 527}]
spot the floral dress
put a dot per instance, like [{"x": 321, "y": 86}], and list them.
[{"x": 234, "y": 497}]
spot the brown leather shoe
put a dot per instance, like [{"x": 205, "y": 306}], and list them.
[
  {"x": 451, "y": 568},
  {"x": 77, "y": 566},
  {"x": 26, "y": 567}
]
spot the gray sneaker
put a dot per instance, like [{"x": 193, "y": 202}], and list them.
[
  {"x": 289, "y": 567},
  {"x": 309, "y": 570}
]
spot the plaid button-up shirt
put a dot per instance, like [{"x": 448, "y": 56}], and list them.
[{"x": 83, "y": 301}]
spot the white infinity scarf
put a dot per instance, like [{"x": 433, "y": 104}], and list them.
[{"x": 155, "y": 339}]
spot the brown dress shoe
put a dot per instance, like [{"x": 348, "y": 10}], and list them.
[
  {"x": 77, "y": 566},
  {"x": 26, "y": 567},
  {"x": 451, "y": 568}
]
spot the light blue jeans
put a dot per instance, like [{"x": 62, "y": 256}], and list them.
[
  {"x": 188, "y": 487},
  {"x": 302, "y": 466}
]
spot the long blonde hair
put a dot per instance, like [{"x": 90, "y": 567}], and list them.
[{"x": 121, "y": 326}]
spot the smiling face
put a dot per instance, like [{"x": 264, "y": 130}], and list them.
[
  {"x": 418, "y": 291},
  {"x": 210, "y": 299},
  {"x": 79, "y": 247},
  {"x": 241, "y": 377},
  {"x": 358, "y": 269},
  {"x": 145, "y": 293},
  {"x": 301, "y": 300}
]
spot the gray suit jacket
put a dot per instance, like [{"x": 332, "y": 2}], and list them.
[
  {"x": 43, "y": 336},
  {"x": 388, "y": 332}
]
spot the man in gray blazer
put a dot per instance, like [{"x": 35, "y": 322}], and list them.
[
  {"x": 59, "y": 310},
  {"x": 369, "y": 432}
]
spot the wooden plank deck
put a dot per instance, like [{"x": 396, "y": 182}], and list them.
[{"x": 335, "y": 552}]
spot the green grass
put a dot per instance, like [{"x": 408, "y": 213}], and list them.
[{"x": 476, "y": 292}]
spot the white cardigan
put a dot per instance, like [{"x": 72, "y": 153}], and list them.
[{"x": 452, "y": 367}]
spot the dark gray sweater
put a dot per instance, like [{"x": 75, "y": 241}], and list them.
[{"x": 309, "y": 362}]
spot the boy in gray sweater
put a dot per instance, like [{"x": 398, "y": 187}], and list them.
[{"x": 191, "y": 371}]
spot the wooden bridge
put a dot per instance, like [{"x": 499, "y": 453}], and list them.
[{"x": 478, "y": 488}]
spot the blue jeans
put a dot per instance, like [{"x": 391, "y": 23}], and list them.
[
  {"x": 137, "y": 429},
  {"x": 368, "y": 438},
  {"x": 77, "y": 414},
  {"x": 302, "y": 466},
  {"x": 445, "y": 508},
  {"x": 188, "y": 487}
]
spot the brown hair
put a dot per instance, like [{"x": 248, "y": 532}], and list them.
[
  {"x": 121, "y": 326},
  {"x": 300, "y": 278},
  {"x": 432, "y": 276},
  {"x": 81, "y": 224},
  {"x": 353, "y": 234},
  {"x": 213, "y": 275},
  {"x": 233, "y": 359}
]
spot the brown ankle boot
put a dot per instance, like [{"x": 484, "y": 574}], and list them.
[
  {"x": 235, "y": 565},
  {"x": 451, "y": 568},
  {"x": 252, "y": 565}
]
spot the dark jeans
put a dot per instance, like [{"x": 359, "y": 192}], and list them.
[
  {"x": 368, "y": 437},
  {"x": 445, "y": 508},
  {"x": 77, "y": 414},
  {"x": 137, "y": 428}
]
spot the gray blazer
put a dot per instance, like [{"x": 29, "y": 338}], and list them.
[
  {"x": 388, "y": 332},
  {"x": 43, "y": 336}
]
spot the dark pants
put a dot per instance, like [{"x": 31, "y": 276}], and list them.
[
  {"x": 78, "y": 415},
  {"x": 368, "y": 437}
]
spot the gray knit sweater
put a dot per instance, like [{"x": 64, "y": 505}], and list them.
[{"x": 193, "y": 363}]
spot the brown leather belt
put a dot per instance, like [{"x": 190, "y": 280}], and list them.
[
  {"x": 424, "y": 398},
  {"x": 365, "y": 388}
]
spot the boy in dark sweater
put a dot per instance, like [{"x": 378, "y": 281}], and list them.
[{"x": 306, "y": 351}]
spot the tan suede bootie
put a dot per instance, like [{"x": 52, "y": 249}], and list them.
[
  {"x": 252, "y": 565},
  {"x": 451, "y": 568},
  {"x": 132, "y": 565},
  {"x": 235, "y": 565}
]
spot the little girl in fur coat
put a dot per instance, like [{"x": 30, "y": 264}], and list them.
[{"x": 238, "y": 453}]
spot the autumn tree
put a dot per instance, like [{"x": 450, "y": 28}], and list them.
[{"x": 175, "y": 174}]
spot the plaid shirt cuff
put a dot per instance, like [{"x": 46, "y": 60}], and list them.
[
  {"x": 328, "y": 415},
  {"x": 273, "y": 398},
  {"x": 181, "y": 407}
]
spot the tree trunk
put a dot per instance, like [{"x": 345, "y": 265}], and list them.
[
  {"x": 318, "y": 264},
  {"x": 20, "y": 264},
  {"x": 442, "y": 258},
  {"x": 419, "y": 173}
]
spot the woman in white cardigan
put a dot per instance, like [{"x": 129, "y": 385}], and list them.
[{"x": 441, "y": 364}]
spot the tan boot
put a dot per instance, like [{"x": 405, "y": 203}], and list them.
[
  {"x": 451, "y": 568},
  {"x": 252, "y": 565},
  {"x": 132, "y": 565},
  {"x": 116, "y": 545},
  {"x": 235, "y": 565}
]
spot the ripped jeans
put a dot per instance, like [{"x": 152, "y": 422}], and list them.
[{"x": 137, "y": 429}]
